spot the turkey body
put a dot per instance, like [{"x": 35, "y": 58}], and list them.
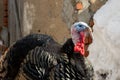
[{"x": 39, "y": 57}]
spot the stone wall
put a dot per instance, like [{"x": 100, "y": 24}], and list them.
[
  {"x": 67, "y": 12},
  {"x": 38, "y": 16},
  {"x": 47, "y": 17},
  {"x": 70, "y": 14}
]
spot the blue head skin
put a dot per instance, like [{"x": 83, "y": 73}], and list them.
[{"x": 80, "y": 26}]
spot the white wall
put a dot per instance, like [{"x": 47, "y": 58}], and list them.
[{"x": 105, "y": 50}]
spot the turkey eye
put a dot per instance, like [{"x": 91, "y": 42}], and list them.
[{"x": 80, "y": 25}]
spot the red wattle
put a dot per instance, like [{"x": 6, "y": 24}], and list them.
[
  {"x": 79, "y": 46},
  {"x": 77, "y": 49}
]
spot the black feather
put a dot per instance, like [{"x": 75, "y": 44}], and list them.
[{"x": 39, "y": 57}]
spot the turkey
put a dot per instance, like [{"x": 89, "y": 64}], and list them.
[{"x": 40, "y": 57}]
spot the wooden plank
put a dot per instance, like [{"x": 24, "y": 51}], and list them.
[{"x": 15, "y": 19}]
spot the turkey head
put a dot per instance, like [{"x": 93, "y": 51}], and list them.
[{"x": 81, "y": 36}]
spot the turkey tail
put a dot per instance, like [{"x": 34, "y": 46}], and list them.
[{"x": 11, "y": 60}]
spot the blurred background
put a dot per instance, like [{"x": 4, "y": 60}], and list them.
[{"x": 19, "y": 18}]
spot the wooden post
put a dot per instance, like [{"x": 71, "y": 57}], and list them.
[{"x": 5, "y": 19}]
